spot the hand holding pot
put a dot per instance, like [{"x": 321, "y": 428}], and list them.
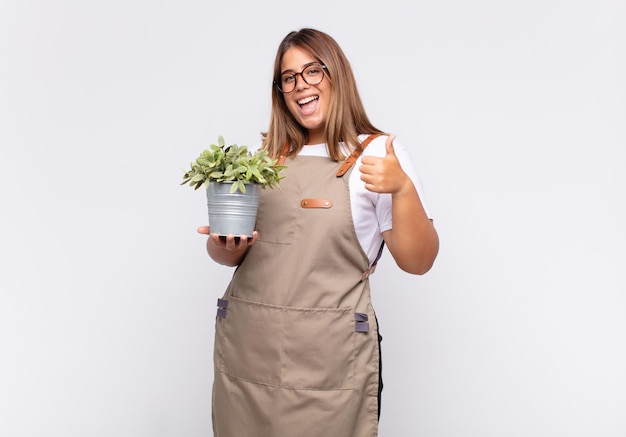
[{"x": 227, "y": 250}]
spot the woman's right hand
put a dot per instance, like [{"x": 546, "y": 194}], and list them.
[{"x": 227, "y": 250}]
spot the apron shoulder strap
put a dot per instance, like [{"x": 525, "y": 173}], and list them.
[
  {"x": 372, "y": 268},
  {"x": 350, "y": 160},
  {"x": 283, "y": 155}
]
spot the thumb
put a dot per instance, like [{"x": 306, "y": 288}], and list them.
[{"x": 389, "y": 145}]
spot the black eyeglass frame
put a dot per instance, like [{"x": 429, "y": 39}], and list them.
[{"x": 295, "y": 75}]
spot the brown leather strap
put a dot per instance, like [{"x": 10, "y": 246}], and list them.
[
  {"x": 316, "y": 203},
  {"x": 350, "y": 160},
  {"x": 283, "y": 155}
]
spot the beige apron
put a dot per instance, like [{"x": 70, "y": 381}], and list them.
[{"x": 296, "y": 345}]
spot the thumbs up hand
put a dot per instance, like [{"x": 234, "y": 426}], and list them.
[{"x": 384, "y": 174}]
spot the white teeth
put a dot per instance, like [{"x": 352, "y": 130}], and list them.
[{"x": 307, "y": 100}]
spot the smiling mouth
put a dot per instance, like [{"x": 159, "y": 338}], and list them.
[{"x": 306, "y": 100}]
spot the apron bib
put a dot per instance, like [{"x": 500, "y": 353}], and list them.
[{"x": 296, "y": 344}]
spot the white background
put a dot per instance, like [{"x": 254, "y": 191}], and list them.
[{"x": 514, "y": 113}]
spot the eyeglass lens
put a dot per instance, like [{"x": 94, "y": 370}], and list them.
[{"x": 312, "y": 75}]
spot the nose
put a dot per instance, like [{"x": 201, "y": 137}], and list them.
[{"x": 302, "y": 82}]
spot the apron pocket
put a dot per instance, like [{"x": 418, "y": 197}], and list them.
[
  {"x": 293, "y": 348},
  {"x": 250, "y": 342},
  {"x": 318, "y": 349},
  {"x": 272, "y": 201}
]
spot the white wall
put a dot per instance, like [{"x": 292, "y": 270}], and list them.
[{"x": 515, "y": 114}]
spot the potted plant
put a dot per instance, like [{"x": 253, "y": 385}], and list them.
[{"x": 233, "y": 177}]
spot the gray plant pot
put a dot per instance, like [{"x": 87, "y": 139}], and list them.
[{"x": 232, "y": 213}]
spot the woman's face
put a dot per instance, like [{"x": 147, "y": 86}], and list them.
[{"x": 309, "y": 104}]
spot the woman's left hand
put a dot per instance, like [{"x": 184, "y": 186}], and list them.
[{"x": 384, "y": 174}]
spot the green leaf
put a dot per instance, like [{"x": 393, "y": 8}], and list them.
[{"x": 233, "y": 163}]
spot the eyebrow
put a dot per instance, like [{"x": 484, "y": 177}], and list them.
[{"x": 289, "y": 70}]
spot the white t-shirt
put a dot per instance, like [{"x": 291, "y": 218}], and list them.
[{"x": 371, "y": 212}]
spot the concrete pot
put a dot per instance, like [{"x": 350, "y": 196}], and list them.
[{"x": 232, "y": 213}]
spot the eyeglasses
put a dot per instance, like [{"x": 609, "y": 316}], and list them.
[{"x": 312, "y": 75}]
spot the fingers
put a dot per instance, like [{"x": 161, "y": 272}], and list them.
[
  {"x": 383, "y": 174},
  {"x": 369, "y": 160},
  {"x": 231, "y": 242},
  {"x": 255, "y": 236},
  {"x": 389, "y": 145}
]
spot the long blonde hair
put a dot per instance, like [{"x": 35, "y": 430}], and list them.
[{"x": 346, "y": 119}]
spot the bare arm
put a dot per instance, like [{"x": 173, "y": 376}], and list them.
[
  {"x": 227, "y": 251},
  {"x": 413, "y": 240}
]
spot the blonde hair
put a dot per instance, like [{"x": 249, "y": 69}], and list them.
[{"x": 346, "y": 119}]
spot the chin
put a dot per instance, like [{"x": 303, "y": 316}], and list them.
[{"x": 312, "y": 124}]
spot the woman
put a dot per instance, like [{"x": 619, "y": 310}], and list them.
[{"x": 297, "y": 345}]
